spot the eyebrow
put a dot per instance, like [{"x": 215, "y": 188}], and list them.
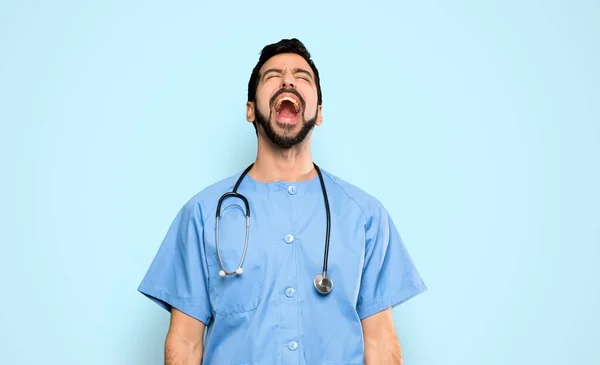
[{"x": 295, "y": 71}]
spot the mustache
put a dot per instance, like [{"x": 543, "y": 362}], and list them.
[{"x": 288, "y": 91}]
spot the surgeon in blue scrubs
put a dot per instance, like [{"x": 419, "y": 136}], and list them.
[{"x": 270, "y": 312}]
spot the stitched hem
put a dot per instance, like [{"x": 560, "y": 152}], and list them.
[
  {"x": 383, "y": 303},
  {"x": 166, "y": 300}
]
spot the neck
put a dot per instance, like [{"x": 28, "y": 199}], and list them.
[{"x": 274, "y": 163}]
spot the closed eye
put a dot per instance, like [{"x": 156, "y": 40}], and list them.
[
  {"x": 303, "y": 74},
  {"x": 272, "y": 73}
]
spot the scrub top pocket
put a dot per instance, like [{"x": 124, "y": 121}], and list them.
[{"x": 235, "y": 293}]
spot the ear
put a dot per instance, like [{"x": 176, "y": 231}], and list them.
[
  {"x": 319, "y": 115},
  {"x": 250, "y": 116}
]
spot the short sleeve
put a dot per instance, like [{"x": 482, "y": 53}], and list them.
[
  {"x": 177, "y": 275},
  {"x": 389, "y": 274}
]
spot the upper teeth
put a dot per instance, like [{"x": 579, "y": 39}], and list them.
[{"x": 288, "y": 98}]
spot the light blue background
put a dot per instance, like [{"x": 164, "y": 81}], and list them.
[{"x": 476, "y": 123}]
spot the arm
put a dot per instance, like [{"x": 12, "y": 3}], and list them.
[
  {"x": 184, "y": 341},
  {"x": 389, "y": 278},
  {"x": 381, "y": 342}
]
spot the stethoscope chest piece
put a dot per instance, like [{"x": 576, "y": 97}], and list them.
[{"x": 323, "y": 283}]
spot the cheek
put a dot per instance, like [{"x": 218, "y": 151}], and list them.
[
  {"x": 264, "y": 106},
  {"x": 311, "y": 103},
  {"x": 308, "y": 92},
  {"x": 263, "y": 97}
]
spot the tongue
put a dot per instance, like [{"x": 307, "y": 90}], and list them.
[{"x": 287, "y": 110}]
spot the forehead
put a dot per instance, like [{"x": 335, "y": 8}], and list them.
[{"x": 286, "y": 61}]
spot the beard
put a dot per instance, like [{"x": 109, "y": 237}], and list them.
[{"x": 287, "y": 139}]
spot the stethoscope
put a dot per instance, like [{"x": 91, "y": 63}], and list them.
[{"x": 322, "y": 282}]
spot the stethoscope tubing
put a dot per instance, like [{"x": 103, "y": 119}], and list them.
[{"x": 322, "y": 282}]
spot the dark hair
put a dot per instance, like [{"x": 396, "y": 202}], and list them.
[{"x": 283, "y": 46}]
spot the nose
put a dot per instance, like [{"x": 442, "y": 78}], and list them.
[{"x": 288, "y": 81}]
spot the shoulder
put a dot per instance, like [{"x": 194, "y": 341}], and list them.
[
  {"x": 205, "y": 201},
  {"x": 365, "y": 201}
]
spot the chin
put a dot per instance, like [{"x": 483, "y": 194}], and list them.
[{"x": 289, "y": 128}]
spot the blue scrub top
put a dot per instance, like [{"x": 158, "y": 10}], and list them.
[{"x": 272, "y": 313}]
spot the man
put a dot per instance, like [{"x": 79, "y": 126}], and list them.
[{"x": 279, "y": 306}]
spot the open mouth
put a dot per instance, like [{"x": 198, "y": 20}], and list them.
[{"x": 287, "y": 107}]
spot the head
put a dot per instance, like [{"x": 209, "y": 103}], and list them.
[{"x": 284, "y": 93}]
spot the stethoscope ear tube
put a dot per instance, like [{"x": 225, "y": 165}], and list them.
[{"x": 238, "y": 270}]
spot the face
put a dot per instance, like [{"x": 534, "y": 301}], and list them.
[{"x": 286, "y": 100}]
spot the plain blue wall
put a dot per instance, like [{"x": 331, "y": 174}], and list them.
[{"x": 475, "y": 122}]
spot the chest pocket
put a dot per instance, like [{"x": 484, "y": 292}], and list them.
[{"x": 235, "y": 293}]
